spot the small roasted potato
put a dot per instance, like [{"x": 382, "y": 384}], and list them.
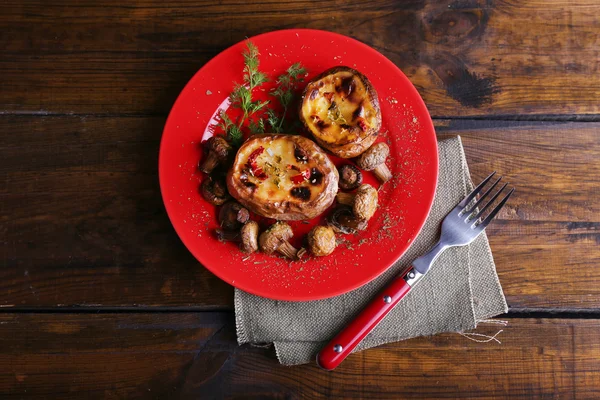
[{"x": 341, "y": 109}]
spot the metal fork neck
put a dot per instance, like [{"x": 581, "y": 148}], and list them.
[{"x": 423, "y": 263}]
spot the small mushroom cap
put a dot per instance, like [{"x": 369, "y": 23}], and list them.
[
  {"x": 342, "y": 220},
  {"x": 249, "y": 233},
  {"x": 233, "y": 215},
  {"x": 219, "y": 145},
  {"x": 350, "y": 177},
  {"x": 273, "y": 237},
  {"x": 374, "y": 156},
  {"x": 214, "y": 191},
  {"x": 365, "y": 202},
  {"x": 321, "y": 240}
]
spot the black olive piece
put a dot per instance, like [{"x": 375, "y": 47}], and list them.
[
  {"x": 244, "y": 179},
  {"x": 316, "y": 176},
  {"x": 300, "y": 154},
  {"x": 302, "y": 193},
  {"x": 346, "y": 86}
]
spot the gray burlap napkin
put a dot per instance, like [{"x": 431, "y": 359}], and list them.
[{"x": 461, "y": 289}]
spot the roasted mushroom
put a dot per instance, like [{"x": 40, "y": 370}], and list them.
[
  {"x": 275, "y": 239},
  {"x": 218, "y": 151},
  {"x": 214, "y": 190},
  {"x": 321, "y": 240},
  {"x": 363, "y": 202},
  {"x": 227, "y": 236},
  {"x": 232, "y": 216},
  {"x": 350, "y": 177},
  {"x": 246, "y": 237},
  {"x": 342, "y": 220},
  {"x": 249, "y": 233},
  {"x": 374, "y": 160}
]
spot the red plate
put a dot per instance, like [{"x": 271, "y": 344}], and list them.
[{"x": 405, "y": 201}]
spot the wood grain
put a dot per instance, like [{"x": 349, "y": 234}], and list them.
[
  {"x": 187, "y": 355},
  {"x": 83, "y": 223},
  {"x": 467, "y": 58},
  {"x": 545, "y": 241}
]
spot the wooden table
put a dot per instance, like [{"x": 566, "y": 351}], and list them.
[{"x": 99, "y": 298}]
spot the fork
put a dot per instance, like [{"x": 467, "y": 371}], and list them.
[{"x": 460, "y": 227}]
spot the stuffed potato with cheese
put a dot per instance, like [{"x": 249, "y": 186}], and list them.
[
  {"x": 284, "y": 177},
  {"x": 341, "y": 109}
]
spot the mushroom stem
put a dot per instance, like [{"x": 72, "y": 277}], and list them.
[
  {"x": 345, "y": 198},
  {"x": 301, "y": 253},
  {"x": 210, "y": 162},
  {"x": 287, "y": 250},
  {"x": 228, "y": 236},
  {"x": 382, "y": 172},
  {"x": 249, "y": 234}
]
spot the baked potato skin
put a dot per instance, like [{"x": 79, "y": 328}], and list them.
[
  {"x": 312, "y": 196},
  {"x": 359, "y": 140}
]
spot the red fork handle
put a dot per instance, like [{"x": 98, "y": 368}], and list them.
[{"x": 348, "y": 338}]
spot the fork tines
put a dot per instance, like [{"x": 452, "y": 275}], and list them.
[{"x": 475, "y": 212}]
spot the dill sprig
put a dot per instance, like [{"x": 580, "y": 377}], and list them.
[
  {"x": 252, "y": 76},
  {"x": 284, "y": 92},
  {"x": 241, "y": 98},
  {"x": 256, "y": 127},
  {"x": 234, "y": 133},
  {"x": 255, "y": 113}
]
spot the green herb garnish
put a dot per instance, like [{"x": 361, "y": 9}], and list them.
[
  {"x": 284, "y": 92},
  {"x": 257, "y": 127},
  {"x": 241, "y": 98},
  {"x": 335, "y": 115},
  {"x": 234, "y": 133}
]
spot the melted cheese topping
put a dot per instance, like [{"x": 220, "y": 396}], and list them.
[
  {"x": 278, "y": 161},
  {"x": 338, "y": 109}
]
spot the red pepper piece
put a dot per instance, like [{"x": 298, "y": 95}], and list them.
[
  {"x": 301, "y": 177},
  {"x": 260, "y": 174},
  {"x": 251, "y": 163},
  {"x": 363, "y": 124}
]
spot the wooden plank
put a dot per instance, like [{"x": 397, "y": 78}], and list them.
[
  {"x": 545, "y": 242},
  {"x": 187, "y": 355},
  {"x": 82, "y": 222},
  {"x": 466, "y": 57}
]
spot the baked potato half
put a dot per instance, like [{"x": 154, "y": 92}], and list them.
[
  {"x": 284, "y": 177},
  {"x": 341, "y": 109}
]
